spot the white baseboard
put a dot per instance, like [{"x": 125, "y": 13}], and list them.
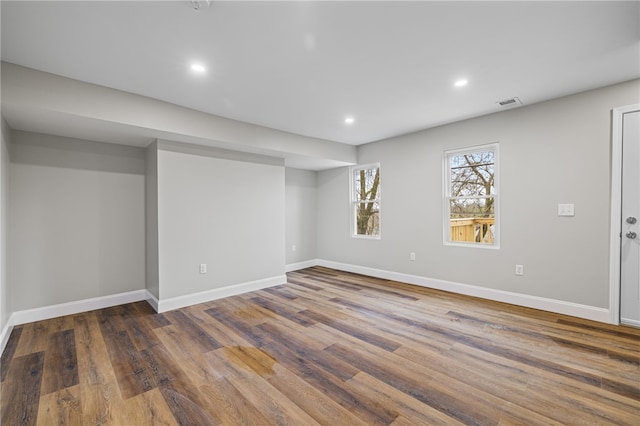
[
  {"x": 6, "y": 332},
  {"x": 633, "y": 323},
  {"x": 70, "y": 308},
  {"x": 551, "y": 305},
  {"x": 217, "y": 293},
  {"x": 48, "y": 312},
  {"x": 153, "y": 301},
  {"x": 301, "y": 265}
]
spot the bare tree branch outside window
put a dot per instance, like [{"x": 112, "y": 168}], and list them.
[
  {"x": 472, "y": 196},
  {"x": 367, "y": 201}
]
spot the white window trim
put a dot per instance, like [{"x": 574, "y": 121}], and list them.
[
  {"x": 446, "y": 182},
  {"x": 352, "y": 201}
]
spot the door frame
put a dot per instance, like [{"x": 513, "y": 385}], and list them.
[{"x": 616, "y": 209}]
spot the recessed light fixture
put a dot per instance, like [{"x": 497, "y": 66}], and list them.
[
  {"x": 199, "y": 68},
  {"x": 349, "y": 120},
  {"x": 460, "y": 83}
]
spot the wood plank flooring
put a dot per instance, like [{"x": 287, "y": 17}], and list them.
[{"x": 328, "y": 348}]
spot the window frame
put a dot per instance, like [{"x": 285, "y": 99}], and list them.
[
  {"x": 353, "y": 202},
  {"x": 446, "y": 195}
]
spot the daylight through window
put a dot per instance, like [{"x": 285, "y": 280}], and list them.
[
  {"x": 471, "y": 196},
  {"x": 365, "y": 197}
]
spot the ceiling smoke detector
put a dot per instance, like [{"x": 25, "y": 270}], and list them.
[{"x": 511, "y": 102}]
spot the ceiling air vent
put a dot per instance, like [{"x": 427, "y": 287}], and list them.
[{"x": 511, "y": 102}]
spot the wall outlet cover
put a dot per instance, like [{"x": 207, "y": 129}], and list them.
[{"x": 566, "y": 210}]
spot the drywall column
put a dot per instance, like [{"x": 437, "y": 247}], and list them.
[
  {"x": 152, "y": 283},
  {"x": 5, "y": 307}
]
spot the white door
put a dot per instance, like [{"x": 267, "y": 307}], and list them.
[{"x": 630, "y": 220}]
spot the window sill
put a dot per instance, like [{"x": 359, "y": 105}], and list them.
[
  {"x": 366, "y": 237},
  {"x": 473, "y": 245}
]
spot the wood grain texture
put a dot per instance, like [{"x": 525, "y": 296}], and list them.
[
  {"x": 21, "y": 390},
  {"x": 9, "y": 351},
  {"x": 327, "y": 348},
  {"x": 60, "y": 363}
]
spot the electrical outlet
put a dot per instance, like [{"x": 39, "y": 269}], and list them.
[
  {"x": 203, "y": 268},
  {"x": 293, "y": 248},
  {"x": 519, "y": 269},
  {"x": 412, "y": 256},
  {"x": 566, "y": 210}
]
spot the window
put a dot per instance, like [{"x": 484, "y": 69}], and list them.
[
  {"x": 471, "y": 196},
  {"x": 365, "y": 200}
]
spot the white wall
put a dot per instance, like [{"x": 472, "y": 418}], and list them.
[
  {"x": 5, "y": 307},
  {"x": 77, "y": 220},
  {"x": 220, "y": 208},
  {"x": 553, "y": 152}
]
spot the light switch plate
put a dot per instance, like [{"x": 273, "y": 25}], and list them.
[
  {"x": 566, "y": 210},
  {"x": 519, "y": 269}
]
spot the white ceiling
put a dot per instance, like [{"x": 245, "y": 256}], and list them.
[{"x": 303, "y": 66}]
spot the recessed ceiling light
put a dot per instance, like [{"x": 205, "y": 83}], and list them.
[
  {"x": 349, "y": 120},
  {"x": 461, "y": 83},
  {"x": 199, "y": 68}
]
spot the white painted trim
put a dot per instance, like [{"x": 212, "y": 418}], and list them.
[
  {"x": 6, "y": 332},
  {"x": 301, "y": 265},
  {"x": 153, "y": 301},
  {"x": 551, "y": 305},
  {"x": 165, "y": 305},
  {"x": 616, "y": 210},
  {"x": 70, "y": 308},
  {"x": 633, "y": 323},
  {"x": 446, "y": 189},
  {"x": 353, "y": 202}
]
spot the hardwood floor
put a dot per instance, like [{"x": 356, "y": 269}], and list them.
[{"x": 328, "y": 348}]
